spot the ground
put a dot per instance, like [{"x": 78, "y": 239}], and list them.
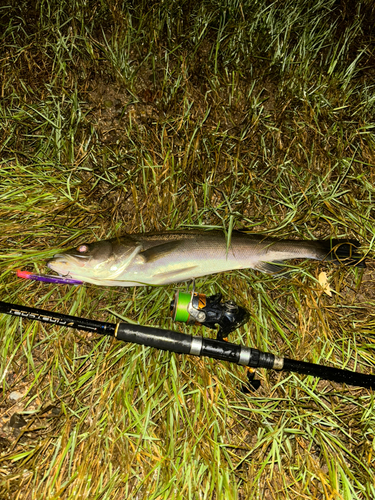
[{"x": 147, "y": 116}]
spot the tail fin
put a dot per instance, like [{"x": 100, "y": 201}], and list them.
[{"x": 343, "y": 252}]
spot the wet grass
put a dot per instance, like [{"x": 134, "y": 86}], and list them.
[{"x": 137, "y": 116}]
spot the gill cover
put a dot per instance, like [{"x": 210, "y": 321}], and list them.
[{"x": 103, "y": 260}]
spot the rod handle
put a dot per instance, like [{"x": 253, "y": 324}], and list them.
[{"x": 167, "y": 340}]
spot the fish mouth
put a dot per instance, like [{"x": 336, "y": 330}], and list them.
[
  {"x": 67, "y": 266},
  {"x": 63, "y": 263}
]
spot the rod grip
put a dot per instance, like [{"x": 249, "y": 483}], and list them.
[{"x": 167, "y": 340}]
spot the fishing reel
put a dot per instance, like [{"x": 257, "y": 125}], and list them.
[{"x": 198, "y": 309}]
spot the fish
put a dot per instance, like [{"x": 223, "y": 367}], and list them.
[{"x": 177, "y": 256}]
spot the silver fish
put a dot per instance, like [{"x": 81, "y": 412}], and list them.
[{"x": 170, "y": 257}]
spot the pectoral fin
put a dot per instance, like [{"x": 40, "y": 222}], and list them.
[{"x": 159, "y": 251}]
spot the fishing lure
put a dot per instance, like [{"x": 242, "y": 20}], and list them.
[{"x": 47, "y": 279}]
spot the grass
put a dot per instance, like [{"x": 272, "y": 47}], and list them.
[{"x": 137, "y": 116}]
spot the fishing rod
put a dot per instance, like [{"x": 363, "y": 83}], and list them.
[{"x": 182, "y": 343}]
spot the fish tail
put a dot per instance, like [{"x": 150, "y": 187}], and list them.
[{"x": 341, "y": 251}]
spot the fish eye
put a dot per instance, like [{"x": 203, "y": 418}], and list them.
[{"x": 82, "y": 248}]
